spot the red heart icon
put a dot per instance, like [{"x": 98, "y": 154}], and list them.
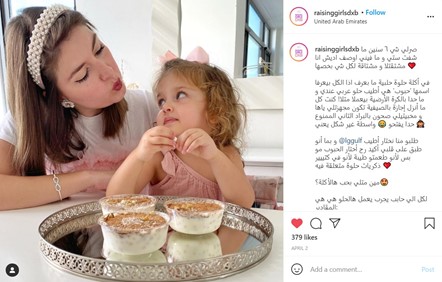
[
  {"x": 411, "y": 65},
  {"x": 387, "y": 164},
  {"x": 296, "y": 222}
]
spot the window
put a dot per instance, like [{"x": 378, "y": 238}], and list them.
[
  {"x": 257, "y": 44},
  {"x": 254, "y": 20},
  {"x": 10, "y": 9}
]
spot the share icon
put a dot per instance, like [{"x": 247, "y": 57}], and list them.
[{"x": 335, "y": 221}]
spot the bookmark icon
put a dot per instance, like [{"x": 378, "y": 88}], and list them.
[{"x": 429, "y": 222}]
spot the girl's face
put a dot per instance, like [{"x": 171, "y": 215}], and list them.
[
  {"x": 182, "y": 105},
  {"x": 87, "y": 74}
]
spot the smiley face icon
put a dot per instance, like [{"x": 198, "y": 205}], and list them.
[
  {"x": 297, "y": 269},
  {"x": 382, "y": 123},
  {"x": 384, "y": 182}
]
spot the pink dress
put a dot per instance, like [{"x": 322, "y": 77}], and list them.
[{"x": 183, "y": 181}]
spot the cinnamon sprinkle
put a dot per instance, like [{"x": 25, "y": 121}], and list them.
[
  {"x": 129, "y": 201},
  {"x": 134, "y": 221},
  {"x": 194, "y": 206}
]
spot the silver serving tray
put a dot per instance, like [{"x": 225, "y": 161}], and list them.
[{"x": 74, "y": 218}]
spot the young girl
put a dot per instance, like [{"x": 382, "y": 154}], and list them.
[
  {"x": 71, "y": 121},
  {"x": 192, "y": 151}
]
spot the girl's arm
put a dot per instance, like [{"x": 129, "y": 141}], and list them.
[
  {"x": 29, "y": 191},
  {"x": 226, "y": 165},
  {"x": 132, "y": 176},
  {"x": 138, "y": 168}
]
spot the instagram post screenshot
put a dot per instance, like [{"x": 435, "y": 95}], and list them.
[
  {"x": 143, "y": 140},
  {"x": 361, "y": 141}
]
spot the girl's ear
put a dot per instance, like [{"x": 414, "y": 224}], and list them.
[{"x": 211, "y": 120}]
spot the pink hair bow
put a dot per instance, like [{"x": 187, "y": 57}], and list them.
[{"x": 196, "y": 55}]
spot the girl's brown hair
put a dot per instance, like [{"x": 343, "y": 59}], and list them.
[
  {"x": 43, "y": 126},
  {"x": 226, "y": 114}
]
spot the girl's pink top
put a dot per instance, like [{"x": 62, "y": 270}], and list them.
[{"x": 183, "y": 181}]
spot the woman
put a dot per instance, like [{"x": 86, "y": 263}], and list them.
[{"x": 71, "y": 120}]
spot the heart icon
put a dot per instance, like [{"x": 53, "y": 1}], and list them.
[
  {"x": 387, "y": 164},
  {"x": 296, "y": 222},
  {"x": 411, "y": 65}
]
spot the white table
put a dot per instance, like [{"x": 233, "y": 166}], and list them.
[{"x": 19, "y": 244}]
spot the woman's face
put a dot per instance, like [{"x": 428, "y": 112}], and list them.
[{"x": 87, "y": 74}]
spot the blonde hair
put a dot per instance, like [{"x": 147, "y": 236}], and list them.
[
  {"x": 226, "y": 114},
  {"x": 43, "y": 126}
]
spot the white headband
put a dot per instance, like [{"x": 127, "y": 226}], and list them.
[{"x": 38, "y": 38}]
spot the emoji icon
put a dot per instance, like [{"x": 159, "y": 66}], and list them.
[
  {"x": 384, "y": 182},
  {"x": 296, "y": 222},
  {"x": 411, "y": 65},
  {"x": 420, "y": 124},
  {"x": 387, "y": 164},
  {"x": 382, "y": 123},
  {"x": 297, "y": 268}
]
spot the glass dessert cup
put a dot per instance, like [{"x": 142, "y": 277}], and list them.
[
  {"x": 194, "y": 215},
  {"x": 133, "y": 233}
]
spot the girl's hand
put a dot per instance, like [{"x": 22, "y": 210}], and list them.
[
  {"x": 197, "y": 142},
  {"x": 157, "y": 139}
]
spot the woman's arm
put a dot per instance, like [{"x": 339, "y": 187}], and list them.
[{"x": 29, "y": 191}]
